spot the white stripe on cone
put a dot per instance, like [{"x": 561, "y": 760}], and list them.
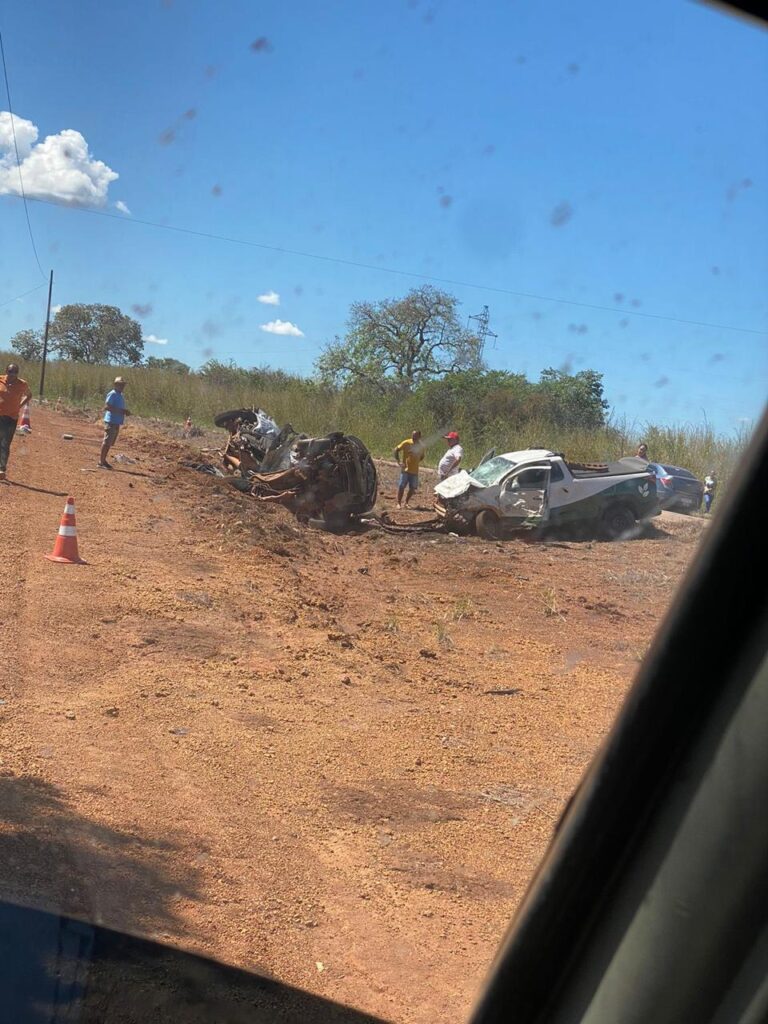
[
  {"x": 69, "y": 510},
  {"x": 67, "y": 531}
]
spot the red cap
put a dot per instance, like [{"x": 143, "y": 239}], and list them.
[{"x": 452, "y": 436}]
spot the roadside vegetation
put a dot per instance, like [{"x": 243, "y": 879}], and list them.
[{"x": 403, "y": 363}]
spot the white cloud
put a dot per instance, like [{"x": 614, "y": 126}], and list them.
[
  {"x": 55, "y": 309},
  {"x": 60, "y": 168},
  {"x": 270, "y": 299},
  {"x": 120, "y": 205},
  {"x": 282, "y": 327},
  {"x": 152, "y": 340}
]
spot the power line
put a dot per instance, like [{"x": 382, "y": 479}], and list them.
[
  {"x": 400, "y": 273},
  {"x": 18, "y": 160},
  {"x": 23, "y": 294}
]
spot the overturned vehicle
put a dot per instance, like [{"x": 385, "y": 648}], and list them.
[{"x": 328, "y": 480}]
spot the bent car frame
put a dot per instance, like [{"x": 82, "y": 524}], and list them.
[{"x": 536, "y": 488}]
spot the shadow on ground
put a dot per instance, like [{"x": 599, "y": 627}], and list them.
[{"x": 57, "y": 871}]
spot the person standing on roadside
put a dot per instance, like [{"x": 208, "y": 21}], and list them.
[
  {"x": 14, "y": 395},
  {"x": 412, "y": 451},
  {"x": 449, "y": 464},
  {"x": 642, "y": 452},
  {"x": 710, "y": 486},
  {"x": 114, "y": 417}
]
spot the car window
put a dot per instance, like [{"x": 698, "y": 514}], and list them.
[
  {"x": 555, "y": 472},
  {"x": 535, "y": 477}
]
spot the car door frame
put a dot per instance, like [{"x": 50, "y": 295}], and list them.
[{"x": 520, "y": 522}]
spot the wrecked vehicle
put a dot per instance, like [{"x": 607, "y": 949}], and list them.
[
  {"x": 326, "y": 480},
  {"x": 537, "y": 488}
]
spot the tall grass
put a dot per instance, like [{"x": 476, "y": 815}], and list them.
[{"x": 381, "y": 422}]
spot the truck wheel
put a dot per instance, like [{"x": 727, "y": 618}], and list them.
[
  {"x": 487, "y": 525},
  {"x": 617, "y": 521},
  {"x": 246, "y": 415}
]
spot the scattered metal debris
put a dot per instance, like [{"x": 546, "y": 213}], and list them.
[{"x": 327, "y": 480}]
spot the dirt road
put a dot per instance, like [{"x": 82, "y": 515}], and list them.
[{"x": 336, "y": 759}]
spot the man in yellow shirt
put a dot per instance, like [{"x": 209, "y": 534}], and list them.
[
  {"x": 14, "y": 393},
  {"x": 412, "y": 451}
]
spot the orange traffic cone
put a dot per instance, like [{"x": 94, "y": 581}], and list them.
[
  {"x": 65, "y": 548},
  {"x": 25, "y": 427}
]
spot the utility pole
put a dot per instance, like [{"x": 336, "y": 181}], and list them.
[
  {"x": 483, "y": 330},
  {"x": 45, "y": 339}
]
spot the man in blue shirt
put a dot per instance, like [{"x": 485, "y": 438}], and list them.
[{"x": 114, "y": 417}]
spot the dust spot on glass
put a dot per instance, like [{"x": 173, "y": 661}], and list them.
[
  {"x": 445, "y": 201},
  {"x": 142, "y": 308},
  {"x": 536, "y": 314},
  {"x": 636, "y": 303},
  {"x": 739, "y": 186},
  {"x": 216, "y": 190},
  {"x": 358, "y": 74},
  {"x": 298, "y": 290},
  {"x": 178, "y": 172},
  {"x": 618, "y": 297},
  {"x": 645, "y": 357},
  {"x": 567, "y": 365},
  {"x": 717, "y": 357},
  {"x": 318, "y": 228},
  {"x": 210, "y": 71},
  {"x": 208, "y": 353},
  {"x": 190, "y": 115},
  {"x": 429, "y": 16},
  {"x": 573, "y": 69},
  {"x": 561, "y": 214},
  {"x": 716, "y": 271},
  {"x": 489, "y": 150},
  {"x": 521, "y": 59},
  {"x": 167, "y": 137},
  {"x": 67, "y": 153},
  {"x": 624, "y": 323},
  {"x": 54, "y": 247},
  {"x": 412, "y": 5},
  {"x": 211, "y": 329},
  {"x": 661, "y": 382},
  {"x": 578, "y": 328},
  {"x": 261, "y": 45}
]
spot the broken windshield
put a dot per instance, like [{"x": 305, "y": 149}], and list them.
[{"x": 492, "y": 471}]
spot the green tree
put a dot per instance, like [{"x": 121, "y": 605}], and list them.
[
  {"x": 477, "y": 398},
  {"x": 573, "y": 400},
  {"x": 28, "y": 344},
  {"x": 96, "y": 334},
  {"x": 167, "y": 363},
  {"x": 398, "y": 343}
]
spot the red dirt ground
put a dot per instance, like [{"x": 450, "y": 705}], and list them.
[{"x": 335, "y": 759}]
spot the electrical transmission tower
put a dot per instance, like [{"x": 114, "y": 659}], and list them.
[{"x": 483, "y": 330}]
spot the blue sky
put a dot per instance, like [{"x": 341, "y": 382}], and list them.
[{"x": 602, "y": 153}]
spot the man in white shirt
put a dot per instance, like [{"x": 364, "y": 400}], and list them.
[{"x": 449, "y": 464}]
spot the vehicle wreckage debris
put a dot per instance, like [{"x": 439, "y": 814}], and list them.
[{"x": 327, "y": 481}]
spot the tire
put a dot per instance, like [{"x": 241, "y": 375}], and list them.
[
  {"x": 337, "y": 521},
  {"x": 488, "y": 525},
  {"x": 223, "y": 418},
  {"x": 618, "y": 521}
]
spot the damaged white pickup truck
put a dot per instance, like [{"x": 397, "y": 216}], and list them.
[{"x": 538, "y": 488}]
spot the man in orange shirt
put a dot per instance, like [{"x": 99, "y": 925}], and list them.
[{"x": 14, "y": 393}]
